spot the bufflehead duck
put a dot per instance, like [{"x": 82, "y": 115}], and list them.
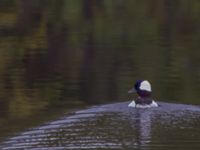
[{"x": 144, "y": 100}]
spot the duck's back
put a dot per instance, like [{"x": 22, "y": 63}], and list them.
[{"x": 143, "y": 103}]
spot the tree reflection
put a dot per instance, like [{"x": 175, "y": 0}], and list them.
[{"x": 91, "y": 51}]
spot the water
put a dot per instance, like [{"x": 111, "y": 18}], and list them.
[
  {"x": 58, "y": 56},
  {"x": 115, "y": 126}
]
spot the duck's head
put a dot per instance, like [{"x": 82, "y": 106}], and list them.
[{"x": 142, "y": 88}]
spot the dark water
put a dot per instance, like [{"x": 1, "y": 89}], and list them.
[
  {"x": 115, "y": 126},
  {"x": 61, "y": 55}
]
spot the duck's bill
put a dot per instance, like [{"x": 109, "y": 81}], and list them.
[{"x": 132, "y": 90}]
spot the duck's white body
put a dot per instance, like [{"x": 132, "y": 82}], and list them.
[{"x": 133, "y": 104}]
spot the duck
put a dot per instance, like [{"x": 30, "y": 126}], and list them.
[{"x": 144, "y": 91}]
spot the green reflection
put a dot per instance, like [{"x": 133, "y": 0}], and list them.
[{"x": 70, "y": 52}]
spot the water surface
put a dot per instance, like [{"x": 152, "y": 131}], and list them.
[
  {"x": 115, "y": 126},
  {"x": 56, "y": 55}
]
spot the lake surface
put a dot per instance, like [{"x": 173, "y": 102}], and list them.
[
  {"x": 115, "y": 126},
  {"x": 60, "y": 56}
]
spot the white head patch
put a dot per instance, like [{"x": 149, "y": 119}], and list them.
[{"x": 145, "y": 85}]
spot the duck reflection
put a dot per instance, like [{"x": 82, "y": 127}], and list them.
[{"x": 141, "y": 123}]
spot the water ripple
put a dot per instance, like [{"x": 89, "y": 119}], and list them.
[{"x": 115, "y": 126}]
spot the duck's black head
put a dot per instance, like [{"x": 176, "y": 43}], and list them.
[{"x": 142, "y": 87}]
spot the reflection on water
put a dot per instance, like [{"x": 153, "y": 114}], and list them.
[
  {"x": 115, "y": 126},
  {"x": 73, "y": 52}
]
